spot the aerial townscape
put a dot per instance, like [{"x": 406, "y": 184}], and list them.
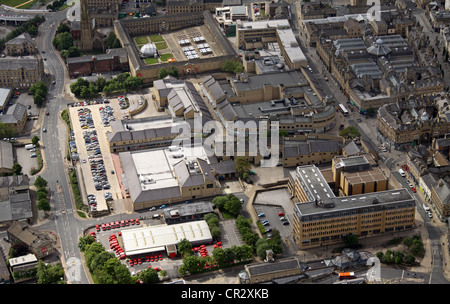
[{"x": 224, "y": 142}]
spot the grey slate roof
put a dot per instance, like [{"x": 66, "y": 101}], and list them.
[
  {"x": 6, "y": 155},
  {"x": 14, "y": 113}
]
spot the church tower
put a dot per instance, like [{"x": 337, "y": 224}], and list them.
[{"x": 86, "y": 27}]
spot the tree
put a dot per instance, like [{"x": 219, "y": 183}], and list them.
[
  {"x": 184, "y": 246},
  {"x": 7, "y": 130},
  {"x": 112, "y": 42},
  {"x": 84, "y": 241},
  {"x": 350, "y": 132},
  {"x": 233, "y": 205},
  {"x": 17, "y": 169},
  {"x": 350, "y": 239},
  {"x": 232, "y": 66},
  {"x": 62, "y": 28},
  {"x": 35, "y": 140},
  {"x": 371, "y": 111},
  {"x": 78, "y": 85},
  {"x": 220, "y": 201},
  {"x": 63, "y": 41},
  {"x": 40, "y": 182},
  {"x": 242, "y": 165},
  {"x": 48, "y": 274},
  {"x": 43, "y": 204},
  {"x": 32, "y": 30},
  {"x": 149, "y": 275}
]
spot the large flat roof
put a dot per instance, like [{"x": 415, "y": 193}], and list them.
[
  {"x": 351, "y": 205},
  {"x": 313, "y": 183},
  {"x": 155, "y": 238}
]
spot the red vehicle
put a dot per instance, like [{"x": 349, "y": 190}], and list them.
[
  {"x": 132, "y": 221},
  {"x": 137, "y": 221},
  {"x": 107, "y": 226},
  {"x": 280, "y": 213},
  {"x": 157, "y": 269},
  {"x": 103, "y": 227},
  {"x": 147, "y": 259},
  {"x": 413, "y": 189},
  {"x": 117, "y": 224},
  {"x": 127, "y": 223},
  {"x": 97, "y": 227},
  {"x": 139, "y": 261},
  {"x": 131, "y": 262},
  {"x": 122, "y": 222}
]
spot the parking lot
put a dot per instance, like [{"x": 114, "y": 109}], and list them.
[
  {"x": 273, "y": 206},
  {"x": 93, "y": 149}
]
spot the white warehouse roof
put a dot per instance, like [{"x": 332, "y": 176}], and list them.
[{"x": 155, "y": 238}]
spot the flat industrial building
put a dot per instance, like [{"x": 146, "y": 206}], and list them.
[{"x": 150, "y": 239}]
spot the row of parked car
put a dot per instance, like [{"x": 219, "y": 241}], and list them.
[
  {"x": 85, "y": 118},
  {"x": 122, "y": 102},
  {"x": 282, "y": 218},
  {"x": 92, "y": 202},
  {"x": 97, "y": 165},
  {"x": 107, "y": 115}
]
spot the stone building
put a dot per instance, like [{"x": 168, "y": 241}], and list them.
[
  {"x": 39, "y": 244},
  {"x": 21, "y": 73},
  {"x": 409, "y": 123},
  {"x": 189, "y": 6},
  {"x": 321, "y": 218},
  {"x": 113, "y": 60},
  {"x": 20, "y": 45},
  {"x": 126, "y": 29}
]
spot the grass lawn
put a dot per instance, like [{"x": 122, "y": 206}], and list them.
[
  {"x": 165, "y": 57},
  {"x": 13, "y": 3},
  {"x": 156, "y": 38},
  {"x": 161, "y": 46},
  {"x": 151, "y": 60},
  {"x": 141, "y": 40}
]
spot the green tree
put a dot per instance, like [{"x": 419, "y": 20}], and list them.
[
  {"x": 184, "y": 247},
  {"x": 62, "y": 28},
  {"x": 149, "y": 275},
  {"x": 7, "y": 130},
  {"x": 43, "y": 205},
  {"x": 233, "y": 205},
  {"x": 40, "y": 182},
  {"x": 48, "y": 274},
  {"x": 78, "y": 85},
  {"x": 112, "y": 42},
  {"x": 32, "y": 30},
  {"x": 350, "y": 132},
  {"x": 232, "y": 66},
  {"x": 63, "y": 41},
  {"x": 17, "y": 169},
  {"x": 350, "y": 239},
  {"x": 220, "y": 201},
  {"x": 84, "y": 241},
  {"x": 242, "y": 165},
  {"x": 35, "y": 140},
  {"x": 42, "y": 194}
]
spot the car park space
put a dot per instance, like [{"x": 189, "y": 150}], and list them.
[
  {"x": 95, "y": 162},
  {"x": 274, "y": 217}
]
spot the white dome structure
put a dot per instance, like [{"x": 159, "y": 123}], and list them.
[{"x": 148, "y": 50}]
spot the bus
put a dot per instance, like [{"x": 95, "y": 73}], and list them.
[
  {"x": 346, "y": 275},
  {"x": 343, "y": 109}
]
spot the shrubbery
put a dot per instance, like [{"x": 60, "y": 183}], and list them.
[{"x": 121, "y": 83}]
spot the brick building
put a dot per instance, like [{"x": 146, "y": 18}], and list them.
[{"x": 113, "y": 60}]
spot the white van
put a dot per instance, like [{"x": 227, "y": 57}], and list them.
[
  {"x": 426, "y": 208},
  {"x": 402, "y": 173}
]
